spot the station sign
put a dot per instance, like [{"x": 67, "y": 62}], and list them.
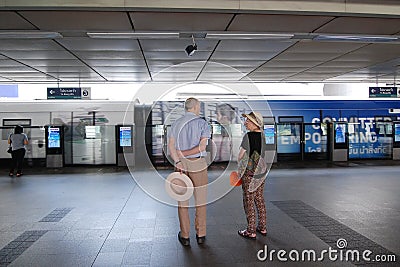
[
  {"x": 64, "y": 93},
  {"x": 384, "y": 91},
  {"x": 68, "y": 93}
]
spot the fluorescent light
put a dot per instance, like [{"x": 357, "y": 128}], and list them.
[
  {"x": 356, "y": 38},
  {"x": 29, "y": 35},
  {"x": 233, "y": 35},
  {"x": 248, "y": 35},
  {"x": 133, "y": 35}
]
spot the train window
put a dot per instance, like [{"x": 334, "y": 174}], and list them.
[
  {"x": 397, "y": 132},
  {"x": 269, "y": 120},
  {"x": 236, "y": 129},
  {"x": 288, "y": 119},
  {"x": 216, "y": 129},
  {"x": 92, "y": 132},
  {"x": 285, "y": 129},
  {"x": 159, "y": 130},
  {"x": 383, "y": 128},
  {"x": 15, "y": 122},
  {"x": 389, "y": 128}
]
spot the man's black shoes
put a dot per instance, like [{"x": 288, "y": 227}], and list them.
[
  {"x": 200, "y": 239},
  {"x": 184, "y": 241}
]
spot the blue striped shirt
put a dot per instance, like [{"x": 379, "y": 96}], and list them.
[{"x": 187, "y": 132}]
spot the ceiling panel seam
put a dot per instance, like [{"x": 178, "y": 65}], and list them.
[
  {"x": 287, "y": 49},
  {"x": 216, "y": 46},
  {"x": 324, "y": 24},
  {"x": 64, "y": 49},
  {"x": 140, "y": 46},
  {"x": 21, "y": 16},
  {"x": 331, "y": 61},
  {"x": 283, "y": 51},
  {"x": 13, "y": 59},
  {"x": 81, "y": 60}
]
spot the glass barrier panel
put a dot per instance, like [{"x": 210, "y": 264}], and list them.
[
  {"x": 370, "y": 140},
  {"x": 87, "y": 144},
  {"x": 288, "y": 138},
  {"x": 315, "y": 138}
]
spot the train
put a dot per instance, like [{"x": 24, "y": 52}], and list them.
[{"x": 299, "y": 128}]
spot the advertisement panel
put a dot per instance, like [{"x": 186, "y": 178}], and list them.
[
  {"x": 54, "y": 137},
  {"x": 269, "y": 132},
  {"x": 125, "y": 136}
]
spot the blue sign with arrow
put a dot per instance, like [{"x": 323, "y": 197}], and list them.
[
  {"x": 64, "y": 93},
  {"x": 384, "y": 92}
]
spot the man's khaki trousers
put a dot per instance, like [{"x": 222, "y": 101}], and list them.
[{"x": 196, "y": 169}]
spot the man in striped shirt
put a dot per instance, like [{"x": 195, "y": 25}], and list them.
[{"x": 187, "y": 143}]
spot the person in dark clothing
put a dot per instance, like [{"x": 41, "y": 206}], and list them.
[
  {"x": 252, "y": 170},
  {"x": 18, "y": 140}
]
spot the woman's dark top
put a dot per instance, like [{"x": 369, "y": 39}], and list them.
[
  {"x": 253, "y": 141},
  {"x": 253, "y": 164}
]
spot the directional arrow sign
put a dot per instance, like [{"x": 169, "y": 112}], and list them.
[
  {"x": 64, "y": 93},
  {"x": 383, "y": 92}
]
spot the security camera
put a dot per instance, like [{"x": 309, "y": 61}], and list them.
[{"x": 190, "y": 49}]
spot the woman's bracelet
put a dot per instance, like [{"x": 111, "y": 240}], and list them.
[{"x": 178, "y": 162}]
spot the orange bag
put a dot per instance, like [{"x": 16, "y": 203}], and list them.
[{"x": 234, "y": 179}]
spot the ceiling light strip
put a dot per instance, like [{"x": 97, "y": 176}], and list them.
[
  {"x": 233, "y": 35},
  {"x": 133, "y": 35},
  {"x": 356, "y": 38},
  {"x": 29, "y": 35},
  {"x": 247, "y": 35}
]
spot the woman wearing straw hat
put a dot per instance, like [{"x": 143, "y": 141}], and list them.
[{"x": 252, "y": 151}]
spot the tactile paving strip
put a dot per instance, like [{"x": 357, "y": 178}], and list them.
[
  {"x": 56, "y": 215},
  {"x": 16, "y": 247},
  {"x": 330, "y": 231}
]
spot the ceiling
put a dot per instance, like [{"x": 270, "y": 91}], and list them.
[{"x": 78, "y": 58}]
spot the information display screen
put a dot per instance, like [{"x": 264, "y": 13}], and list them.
[
  {"x": 269, "y": 132},
  {"x": 340, "y": 132},
  {"x": 397, "y": 132},
  {"x": 125, "y": 136},
  {"x": 54, "y": 137}
]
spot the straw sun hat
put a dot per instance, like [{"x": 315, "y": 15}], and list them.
[
  {"x": 179, "y": 186},
  {"x": 255, "y": 117}
]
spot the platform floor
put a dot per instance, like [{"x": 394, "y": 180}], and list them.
[{"x": 100, "y": 217}]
